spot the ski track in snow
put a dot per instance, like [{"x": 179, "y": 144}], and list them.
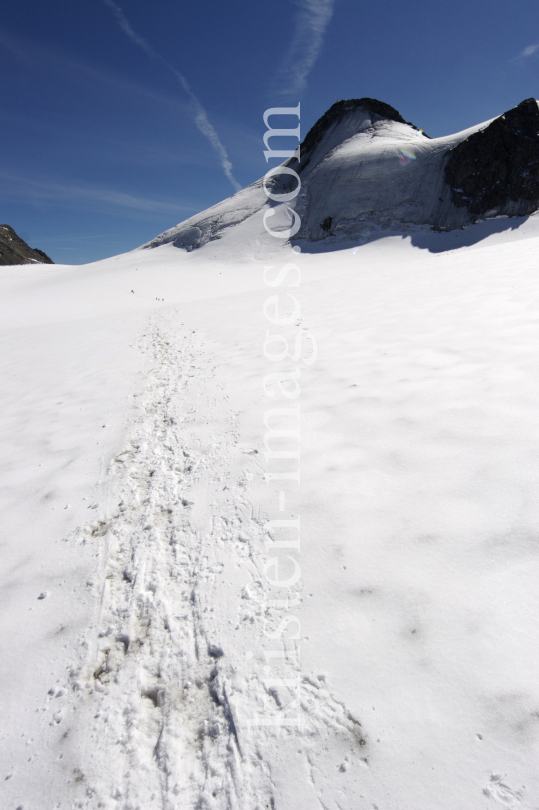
[{"x": 163, "y": 690}]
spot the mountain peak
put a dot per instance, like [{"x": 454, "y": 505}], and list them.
[
  {"x": 343, "y": 120},
  {"x": 14, "y": 250},
  {"x": 341, "y": 108},
  {"x": 364, "y": 169}
]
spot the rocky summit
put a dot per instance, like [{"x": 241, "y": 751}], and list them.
[{"x": 14, "y": 250}]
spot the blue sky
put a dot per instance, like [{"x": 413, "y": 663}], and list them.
[{"x": 120, "y": 119}]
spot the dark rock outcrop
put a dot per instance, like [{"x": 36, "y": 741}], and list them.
[
  {"x": 14, "y": 250},
  {"x": 496, "y": 170}
]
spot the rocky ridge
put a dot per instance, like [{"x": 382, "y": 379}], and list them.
[
  {"x": 14, "y": 250},
  {"x": 496, "y": 170}
]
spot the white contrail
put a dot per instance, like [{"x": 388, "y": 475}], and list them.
[
  {"x": 207, "y": 129},
  {"x": 530, "y": 50},
  {"x": 200, "y": 115},
  {"x": 126, "y": 28},
  {"x": 311, "y": 24}
]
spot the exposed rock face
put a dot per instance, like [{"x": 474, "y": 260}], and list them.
[
  {"x": 14, "y": 250},
  {"x": 496, "y": 170}
]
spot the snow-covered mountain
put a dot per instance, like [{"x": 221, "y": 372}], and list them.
[
  {"x": 170, "y": 639},
  {"x": 364, "y": 169}
]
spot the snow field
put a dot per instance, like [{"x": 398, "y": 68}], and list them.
[{"x": 417, "y": 655}]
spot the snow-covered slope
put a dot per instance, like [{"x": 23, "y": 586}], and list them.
[
  {"x": 364, "y": 169},
  {"x": 145, "y": 661}
]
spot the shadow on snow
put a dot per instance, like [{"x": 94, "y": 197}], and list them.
[{"x": 431, "y": 240}]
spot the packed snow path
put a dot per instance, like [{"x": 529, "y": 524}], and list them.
[{"x": 167, "y": 700}]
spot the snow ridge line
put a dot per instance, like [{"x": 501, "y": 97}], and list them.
[{"x": 164, "y": 716}]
